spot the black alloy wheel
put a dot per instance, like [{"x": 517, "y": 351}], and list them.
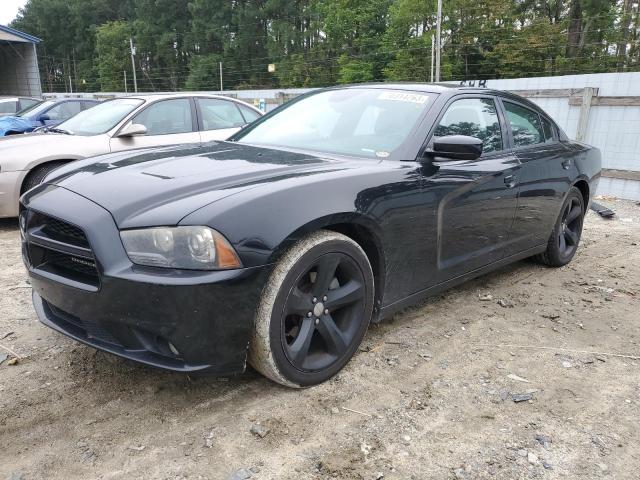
[
  {"x": 564, "y": 240},
  {"x": 314, "y": 310},
  {"x": 323, "y": 312},
  {"x": 570, "y": 227}
]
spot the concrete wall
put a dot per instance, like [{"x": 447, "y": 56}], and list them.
[{"x": 19, "y": 73}]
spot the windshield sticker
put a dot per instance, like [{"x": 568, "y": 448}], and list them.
[
  {"x": 404, "y": 97},
  {"x": 382, "y": 154}
]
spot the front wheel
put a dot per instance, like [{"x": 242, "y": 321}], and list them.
[
  {"x": 314, "y": 311},
  {"x": 567, "y": 231}
]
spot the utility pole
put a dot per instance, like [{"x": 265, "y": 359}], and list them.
[
  {"x": 221, "y": 89},
  {"x": 125, "y": 81},
  {"x": 433, "y": 51},
  {"x": 438, "y": 39},
  {"x": 133, "y": 65}
]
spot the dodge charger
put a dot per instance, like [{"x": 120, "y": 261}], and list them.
[{"x": 281, "y": 245}]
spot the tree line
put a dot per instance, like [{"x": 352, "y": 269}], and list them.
[{"x": 180, "y": 43}]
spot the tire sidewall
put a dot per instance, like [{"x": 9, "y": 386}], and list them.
[
  {"x": 285, "y": 368},
  {"x": 554, "y": 253}
]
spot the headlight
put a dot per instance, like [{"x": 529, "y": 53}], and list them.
[{"x": 192, "y": 248}]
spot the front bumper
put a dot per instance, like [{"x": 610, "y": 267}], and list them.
[
  {"x": 10, "y": 183},
  {"x": 179, "y": 320}
]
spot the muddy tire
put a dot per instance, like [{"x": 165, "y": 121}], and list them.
[
  {"x": 314, "y": 311},
  {"x": 565, "y": 237}
]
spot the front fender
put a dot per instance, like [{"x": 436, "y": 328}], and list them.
[{"x": 383, "y": 200}]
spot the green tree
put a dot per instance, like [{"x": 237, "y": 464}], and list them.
[{"x": 112, "y": 48}]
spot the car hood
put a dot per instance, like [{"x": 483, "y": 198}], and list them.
[
  {"x": 15, "y": 124},
  {"x": 160, "y": 186},
  {"x": 22, "y": 152}
]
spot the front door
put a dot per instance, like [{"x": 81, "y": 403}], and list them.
[
  {"x": 168, "y": 122},
  {"x": 476, "y": 198}
]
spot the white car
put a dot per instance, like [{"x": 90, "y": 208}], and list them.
[
  {"x": 12, "y": 105},
  {"x": 115, "y": 125}
]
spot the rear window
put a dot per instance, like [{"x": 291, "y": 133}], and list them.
[
  {"x": 525, "y": 125},
  {"x": 548, "y": 130}
]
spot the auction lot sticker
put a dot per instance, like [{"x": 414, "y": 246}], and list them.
[{"x": 404, "y": 97}]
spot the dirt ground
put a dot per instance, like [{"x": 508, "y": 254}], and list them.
[{"x": 431, "y": 393}]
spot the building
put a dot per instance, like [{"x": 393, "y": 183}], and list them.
[{"x": 19, "y": 74}]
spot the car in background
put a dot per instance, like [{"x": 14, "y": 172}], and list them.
[
  {"x": 12, "y": 105},
  {"x": 112, "y": 126},
  {"x": 47, "y": 113}
]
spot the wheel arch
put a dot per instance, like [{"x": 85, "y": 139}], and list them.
[
  {"x": 355, "y": 226},
  {"x": 583, "y": 185},
  {"x": 40, "y": 165}
]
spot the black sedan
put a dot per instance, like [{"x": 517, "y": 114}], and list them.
[{"x": 281, "y": 245}]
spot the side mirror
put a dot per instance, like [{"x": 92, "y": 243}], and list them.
[
  {"x": 456, "y": 147},
  {"x": 44, "y": 118},
  {"x": 132, "y": 130}
]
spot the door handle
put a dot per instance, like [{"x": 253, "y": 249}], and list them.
[
  {"x": 510, "y": 181},
  {"x": 566, "y": 164}
]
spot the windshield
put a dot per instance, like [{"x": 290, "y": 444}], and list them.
[
  {"x": 365, "y": 122},
  {"x": 34, "y": 109},
  {"x": 101, "y": 118}
]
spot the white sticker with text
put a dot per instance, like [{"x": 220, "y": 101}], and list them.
[{"x": 404, "y": 97}]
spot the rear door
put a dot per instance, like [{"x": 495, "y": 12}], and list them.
[
  {"x": 218, "y": 118},
  {"x": 476, "y": 198},
  {"x": 544, "y": 175},
  {"x": 168, "y": 122}
]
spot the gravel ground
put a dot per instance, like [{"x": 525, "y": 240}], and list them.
[{"x": 431, "y": 394}]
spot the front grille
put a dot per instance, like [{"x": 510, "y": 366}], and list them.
[
  {"x": 70, "y": 265},
  {"x": 64, "y": 231},
  {"x": 55, "y": 247}
]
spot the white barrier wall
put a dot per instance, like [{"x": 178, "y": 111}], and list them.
[{"x": 615, "y": 130}]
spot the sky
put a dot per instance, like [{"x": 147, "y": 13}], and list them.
[{"x": 9, "y": 10}]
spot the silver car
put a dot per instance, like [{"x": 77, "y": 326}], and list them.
[{"x": 119, "y": 124}]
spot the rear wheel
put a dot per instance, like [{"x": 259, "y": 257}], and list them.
[
  {"x": 567, "y": 231},
  {"x": 36, "y": 176},
  {"x": 314, "y": 311}
]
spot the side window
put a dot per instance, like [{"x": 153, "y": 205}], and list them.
[
  {"x": 8, "y": 106},
  {"x": 249, "y": 114},
  {"x": 525, "y": 125},
  {"x": 166, "y": 117},
  {"x": 474, "y": 117},
  {"x": 63, "y": 111},
  {"x": 218, "y": 114},
  {"x": 86, "y": 105},
  {"x": 548, "y": 130},
  {"x": 27, "y": 102}
]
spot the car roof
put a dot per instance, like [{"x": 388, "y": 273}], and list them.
[
  {"x": 449, "y": 89},
  {"x": 9, "y": 97},
  {"x": 160, "y": 96},
  {"x": 153, "y": 97},
  {"x": 446, "y": 88}
]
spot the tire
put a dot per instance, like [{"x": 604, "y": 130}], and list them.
[
  {"x": 36, "y": 176},
  {"x": 565, "y": 237},
  {"x": 298, "y": 342}
]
